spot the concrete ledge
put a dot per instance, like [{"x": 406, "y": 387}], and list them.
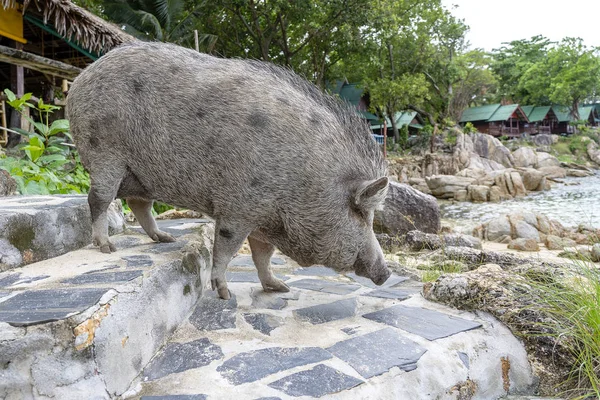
[
  {"x": 36, "y": 228},
  {"x": 63, "y": 347}
]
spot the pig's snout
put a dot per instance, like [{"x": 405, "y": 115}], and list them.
[
  {"x": 381, "y": 278},
  {"x": 378, "y": 272}
]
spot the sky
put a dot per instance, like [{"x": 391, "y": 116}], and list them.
[{"x": 494, "y": 22}]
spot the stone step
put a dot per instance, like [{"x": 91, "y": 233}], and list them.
[
  {"x": 84, "y": 324},
  {"x": 333, "y": 336},
  {"x": 36, "y": 228}
]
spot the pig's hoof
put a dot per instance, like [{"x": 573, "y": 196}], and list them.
[
  {"x": 220, "y": 285},
  {"x": 162, "y": 237},
  {"x": 276, "y": 285},
  {"x": 108, "y": 248}
]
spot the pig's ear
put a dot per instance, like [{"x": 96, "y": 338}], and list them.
[{"x": 371, "y": 194}]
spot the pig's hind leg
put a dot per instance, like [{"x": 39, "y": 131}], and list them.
[
  {"x": 229, "y": 237},
  {"x": 261, "y": 255},
  {"x": 142, "y": 209},
  {"x": 103, "y": 189}
]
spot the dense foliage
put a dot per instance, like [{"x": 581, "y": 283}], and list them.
[
  {"x": 409, "y": 54},
  {"x": 46, "y": 163}
]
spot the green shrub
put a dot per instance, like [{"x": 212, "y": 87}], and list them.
[
  {"x": 48, "y": 162},
  {"x": 573, "y": 307},
  {"x": 403, "y": 136},
  {"x": 469, "y": 128}
]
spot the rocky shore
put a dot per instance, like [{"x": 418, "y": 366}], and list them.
[{"x": 480, "y": 168}]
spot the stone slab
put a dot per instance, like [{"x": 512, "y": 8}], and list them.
[
  {"x": 104, "y": 277},
  {"x": 321, "y": 285},
  {"x": 255, "y": 365},
  {"x": 322, "y": 313},
  {"x": 38, "y": 306},
  {"x": 388, "y": 293},
  {"x": 349, "y": 330},
  {"x": 250, "y": 277},
  {"x": 138, "y": 260},
  {"x": 429, "y": 324},
  {"x": 264, "y": 323},
  {"x": 176, "y": 227},
  {"x": 36, "y": 228},
  {"x": 179, "y": 357},
  {"x": 246, "y": 261},
  {"x": 391, "y": 281},
  {"x": 176, "y": 397},
  {"x": 316, "y": 270},
  {"x": 316, "y": 382},
  {"x": 268, "y": 300},
  {"x": 156, "y": 248},
  {"x": 13, "y": 278},
  {"x": 377, "y": 352},
  {"x": 213, "y": 313}
]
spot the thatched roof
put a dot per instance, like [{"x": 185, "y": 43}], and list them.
[{"x": 77, "y": 24}]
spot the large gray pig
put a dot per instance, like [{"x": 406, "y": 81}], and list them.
[{"x": 259, "y": 149}]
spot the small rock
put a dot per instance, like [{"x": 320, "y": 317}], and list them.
[
  {"x": 461, "y": 195},
  {"x": 524, "y": 245},
  {"x": 578, "y": 173},
  {"x": 417, "y": 241},
  {"x": 458, "y": 240},
  {"x": 177, "y": 214},
  {"x": 8, "y": 186},
  {"x": 554, "y": 243},
  {"x": 406, "y": 208},
  {"x": 596, "y": 253},
  {"x": 486, "y": 268},
  {"x": 478, "y": 193}
]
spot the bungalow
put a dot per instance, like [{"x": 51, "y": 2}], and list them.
[
  {"x": 589, "y": 113},
  {"x": 46, "y": 43},
  {"x": 412, "y": 119},
  {"x": 541, "y": 119},
  {"x": 495, "y": 119}
]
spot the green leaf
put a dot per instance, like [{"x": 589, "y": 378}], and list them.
[
  {"x": 59, "y": 126},
  {"x": 42, "y": 128},
  {"x": 52, "y": 157},
  {"x": 10, "y": 95}
]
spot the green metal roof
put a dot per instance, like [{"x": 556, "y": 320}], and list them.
[
  {"x": 351, "y": 93},
  {"x": 368, "y": 116},
  {"x": 562, "y": 113},
  {"x": 481, "y": 113},
  {"x": 538, "y": 113},
  {"x": 503, "y": 113},
  {"x": 585, "y": 111},
  {"x": 405, "y": 118},
  {"x": 527, "y": 110}
]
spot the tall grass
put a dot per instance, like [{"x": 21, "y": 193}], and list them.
[{"x": 573, "y": 307}]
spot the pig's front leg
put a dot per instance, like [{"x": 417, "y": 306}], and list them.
[
  {"x": 228, "y": 240},
  {"x": 261, "y": 255}
]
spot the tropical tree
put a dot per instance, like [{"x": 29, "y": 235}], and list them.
[
  {"x": 569, "y": 75},
  {"x": 159, "y": 20},
  {"x": 511, "y": 61},
  {"x": 309, "y": 36},
  {"x": 475, "y": 83}
]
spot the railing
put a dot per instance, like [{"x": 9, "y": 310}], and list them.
[
  {"x": 500, "y": 130},
  {"x": 544, "y": 129},
  {"x": 378, "y": 138}
]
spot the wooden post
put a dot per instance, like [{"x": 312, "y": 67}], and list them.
[
  {"x": 196, "y": 43},
  {"x": 384, "y": 138}
]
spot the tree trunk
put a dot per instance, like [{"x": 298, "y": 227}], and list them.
[{"x": 394, "y": 127}]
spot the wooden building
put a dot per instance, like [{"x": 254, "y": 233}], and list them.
[
  {"x": 412, "y": 119},
  {"x": 589, "y": 113},
  {"x": 44, "y": 42},
  {"x": 496, "y": 119},
  {"x": 542, "y": 119}
]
